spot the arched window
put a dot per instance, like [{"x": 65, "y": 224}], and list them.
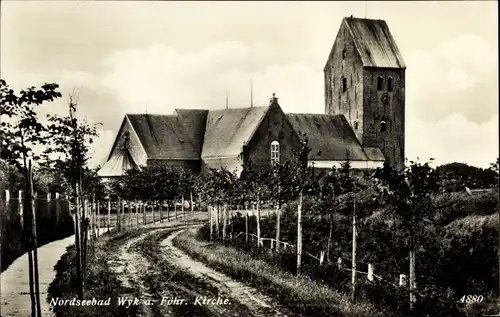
[
  {"x": 344, "y": 84},
  {"x": 390, "y": 83},
  {"x": 380, "y": 82},
  {"x": 383, "y": 126},
  {"x": 275, "y": 152}
]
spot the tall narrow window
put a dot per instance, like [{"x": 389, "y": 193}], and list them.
[
  {"x": 275, "y": 152},
  {"x": 380, "y": 82},
  {"x": 344, "y": 84},
  {"x": 343, "y": 53},
  {"x": 383, "y": 126},
  {"x": 390, "y": 84}
]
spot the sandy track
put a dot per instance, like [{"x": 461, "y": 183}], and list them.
[{"x": 256, "y": 303}]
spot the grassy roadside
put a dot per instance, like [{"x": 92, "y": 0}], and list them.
[
  {"x": 101, "y": 282},
  {"x": 300, "y": 294}
]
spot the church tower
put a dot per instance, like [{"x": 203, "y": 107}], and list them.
[{"x": 365, "y": 81}]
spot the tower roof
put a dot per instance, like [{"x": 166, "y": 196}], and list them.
[{"x": 375, "y": 43}]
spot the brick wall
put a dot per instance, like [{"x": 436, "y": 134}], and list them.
[
  {"x": 391, "y": 142},
  {"x": 274, "y": 126},
  {"x": 345, "y": 62}
]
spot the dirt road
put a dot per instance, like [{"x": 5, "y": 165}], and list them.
[{"x": 168, "y": 282}]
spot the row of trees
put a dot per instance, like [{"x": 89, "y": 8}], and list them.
[
  {"x": 62, "y": 164},
  {"x": 406, "y": 194}
]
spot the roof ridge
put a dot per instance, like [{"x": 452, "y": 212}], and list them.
[{"x": 313, "y": 114}]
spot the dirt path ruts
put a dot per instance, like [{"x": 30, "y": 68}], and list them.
[
  {"x": 256, "y": 303},
  {"x": 130, "y": 266}
]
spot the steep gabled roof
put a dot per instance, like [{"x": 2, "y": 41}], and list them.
[
  {"x": 165, "y": 136},
  {"x": 194, "y": 122},
  {"x": 229, "y": 129},
  {"x": 330, "y": 136},
  {"x": 375, "y": 43}
]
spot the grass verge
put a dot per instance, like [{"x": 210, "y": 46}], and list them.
[
  {"x": 100, "y": 282},
  {"x": 299, "y": 293}
]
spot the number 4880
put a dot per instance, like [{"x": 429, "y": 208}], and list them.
[{"x": 471, "y": 299}]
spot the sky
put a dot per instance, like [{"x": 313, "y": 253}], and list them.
[{"x": 154, "y": 57}]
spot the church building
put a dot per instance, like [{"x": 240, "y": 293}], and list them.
[{"x": 363, "y": 120}]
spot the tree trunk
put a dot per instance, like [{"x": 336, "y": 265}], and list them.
[
  {"x": 258, "y": 221},
  {"x": 299, "y": 234},
  {"x": 85, "y": 241},
  {"x": 278, "y": 215},
  {"x": 25, "y": 226},
  {"x": 34, "y": 241},
  {"x": 77, "y": 244}
]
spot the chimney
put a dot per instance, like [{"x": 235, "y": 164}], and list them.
[{"x": 273, "y": 100}]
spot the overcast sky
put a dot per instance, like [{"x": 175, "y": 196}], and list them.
[{"x": 133, "y": 57}]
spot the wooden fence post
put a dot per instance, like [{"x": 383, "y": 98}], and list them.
[
  {"x": 370, "y": 272},
  {"x": 246, "y": 225},
  {"x": 191, "y": 202},
  {"x": 136, "y": 209},
  {"x": 21, "y": 215},
  {"x": 109, "y": 214},
  {"x": 299, "y": 234},
  {"x": 144, "y": 211},
  {"x": 175, "y": 209},
  {"x": 93, "y": 213},
  {"x": 278, "y": 229},
  {"x": 98, "y": 219},
  {"x": 339, "y": 263},
  {"x": 130, "y": 214},
  {"x": 182, "y": 206},
  {"x": 153, "y": 210},
  {"x": 321, "y": 257},
  {"x": 58, "y": 207},
  {"x": 161, "y": 211},
  {"x": 402, "y": 280},
  {"x": 7, "y": 196}
]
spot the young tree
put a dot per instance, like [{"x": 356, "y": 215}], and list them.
[
  {"x": 68, "y": 141},
  {"x": 408, "y": 194},
  {"x": 278, "y": 191},
  {"x": 254, "y": 185},
  {"x": 19, "y": 135},
  {"x": 299, "y": 183}
]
